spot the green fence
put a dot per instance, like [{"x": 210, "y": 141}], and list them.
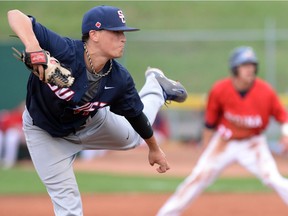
[{"x": 14, "y": 77}]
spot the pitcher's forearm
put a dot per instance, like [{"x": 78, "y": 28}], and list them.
[
  {"x": 152, "y": 143},
  {"x": 22, "y": 27}
]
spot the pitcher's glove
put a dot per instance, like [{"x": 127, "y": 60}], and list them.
[{"x": 54, "y": 72}]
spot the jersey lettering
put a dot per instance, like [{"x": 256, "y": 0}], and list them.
[
  {"x": 88, "y": 107},
  {"x": 248, "y": 121},
  {"x": 121, "y": 16},
  {"x": 62, "y": 93}
]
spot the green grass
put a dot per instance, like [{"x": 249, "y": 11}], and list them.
[
  {"x": 196, "y": 64},
  {"x": 22, "y": 181}
]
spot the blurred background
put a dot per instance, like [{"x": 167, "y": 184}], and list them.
[{"x": 189, "y": 41}]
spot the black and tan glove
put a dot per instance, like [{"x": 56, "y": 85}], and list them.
[{"x": 54, "y": 72}]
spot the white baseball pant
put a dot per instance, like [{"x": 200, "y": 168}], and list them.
[
  {"x": 253, "y": 154},
  {"x": 53, "y": 157},
  {"x": 12, "y": 139}
]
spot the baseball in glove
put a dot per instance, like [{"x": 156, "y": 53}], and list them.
[{"x": 54, "y": 72}]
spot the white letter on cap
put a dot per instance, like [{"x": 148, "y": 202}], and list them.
[{"x": 121, "y": 16}]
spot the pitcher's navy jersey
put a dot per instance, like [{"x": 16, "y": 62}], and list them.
[{"x": 57, "y": 110}]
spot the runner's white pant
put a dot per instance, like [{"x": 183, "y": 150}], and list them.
[
  {"x": 53, "y": 157},
  {"x": 253, "y": 154}
]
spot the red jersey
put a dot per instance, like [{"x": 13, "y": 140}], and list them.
[
  {"x": 10, "y": 119},
  {"x": 239, "y": 116}
]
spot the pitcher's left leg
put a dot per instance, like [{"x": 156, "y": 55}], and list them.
[
  {"x": 158, "y": 89},
  {"x": 115, "y": 132},
  {"x": 152, "y": 97}
]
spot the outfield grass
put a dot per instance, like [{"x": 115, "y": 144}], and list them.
[
  {"x": 20, "y": 181},
  {"x": 66, "y": 16},
  {"x": 196, "y": 64}
]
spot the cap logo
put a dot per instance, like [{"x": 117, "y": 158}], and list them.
[
  {"x": 121, "y": 16},
  {"x": 98, "y": 24},
  {"x": 248, "y": 54}
]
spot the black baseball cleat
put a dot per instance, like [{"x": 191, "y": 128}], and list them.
[{"x": 172, "y": 90}]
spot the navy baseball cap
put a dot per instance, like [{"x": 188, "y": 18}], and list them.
[{"x": 105, "y": 18}]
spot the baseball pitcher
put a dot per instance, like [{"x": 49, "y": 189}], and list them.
[
  {"x": 79, "y": 97},
  {"x": 237, "y": 113}
]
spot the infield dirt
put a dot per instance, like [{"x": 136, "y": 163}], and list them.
[{"x": 182, "y": 158}]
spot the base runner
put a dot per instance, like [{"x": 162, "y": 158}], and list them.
[{"x": 238, "y": 111}]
